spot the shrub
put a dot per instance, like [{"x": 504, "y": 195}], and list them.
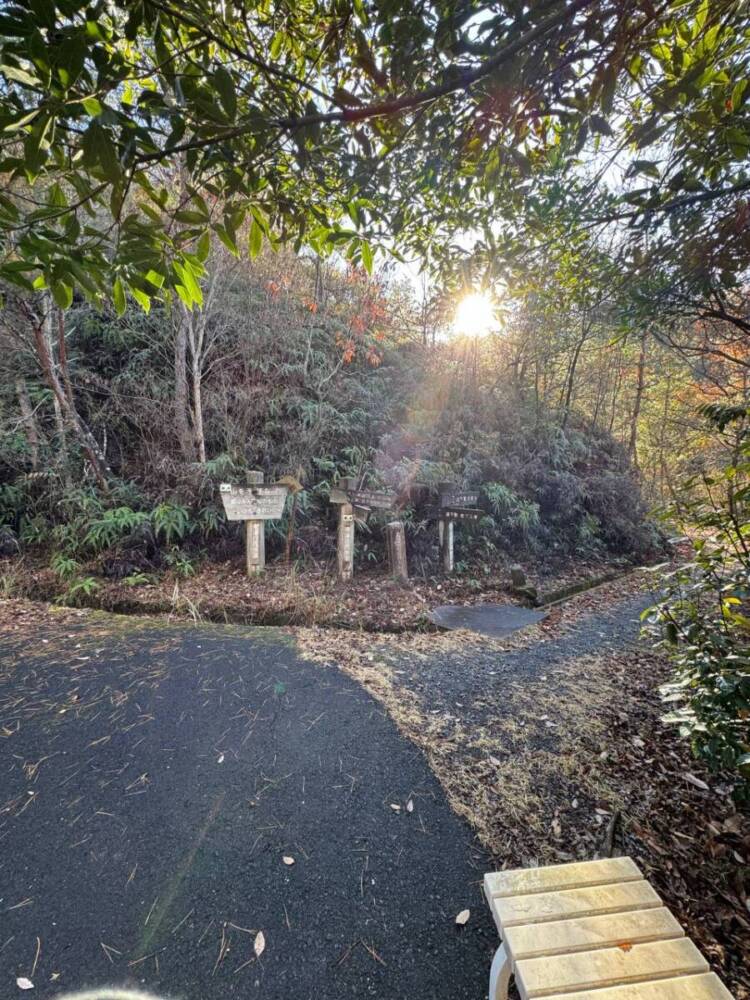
[
  {"x": 11, "y": 504},
  {"x": 703, "y": 619},
  {"x": 64, "y": 566},
  {"x": 79, "y": 588},
  {"x": 180, "y": 564},
  {"x": 112, "y": 526},
  {"x": 171, "y": 522},
  {"x": 518, "y": 515}
]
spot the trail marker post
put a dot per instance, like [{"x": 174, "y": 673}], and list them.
[
  {"x": 453, "y": 505},
  {"x": 345, "y": 548},
  {"x": 254, "y": 504},
  {"x": 355, "y": 504},
  {"x": 445, "y": 542}
]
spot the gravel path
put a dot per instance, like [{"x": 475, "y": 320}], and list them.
[{"x": 461, "y": 673}]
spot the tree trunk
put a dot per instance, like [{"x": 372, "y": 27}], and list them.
[
  {"x": 319, "y": 284},
  {"x": 29, "y": 423},
  {"x": 537, "y": 396},
  {"x": 194, "y": 324},
  {"x": 200, "y": 440},
  {"x": 290, "y": 530},
  {"x": 67, "y": 407},
  {"x": 633, "y": 442},
  {"x": 181, "y": 401},
  {"x": 615, "y": 395},
  {"x": 570, "y": 381},
  {"x": 62, "y": 356},
  {"x": 601, "y": 389},
  {"x": 62, "y": 443}
]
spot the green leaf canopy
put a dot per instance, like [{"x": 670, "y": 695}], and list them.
[{"x": 132, "y": 129}]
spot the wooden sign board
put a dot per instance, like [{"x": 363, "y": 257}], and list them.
[
  {"x": 459, "y": 498},
  {"x": 253, "y": 503},
  {"x": 364, "y": 499},
  {"x": 354, "y": 505},
  {"x": 338, "y": 495},
  {"x": 372, "y": 499},
  {"x": 461, "y": 513},
  {"x": 456, "y": 513}
]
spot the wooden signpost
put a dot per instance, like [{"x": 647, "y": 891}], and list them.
[
  {"x": 395, "y": 538},
  {"x": 453, "y": 505},
  {"x": 345, "y": 549},
  {"x": 254, "y": 504},
  {"x": 355, "y": 504}
]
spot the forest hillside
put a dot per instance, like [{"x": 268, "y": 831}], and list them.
[{"x": 320, "y": 371}]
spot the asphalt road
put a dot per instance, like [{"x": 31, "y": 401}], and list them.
[{"x": 152, "y": 781}]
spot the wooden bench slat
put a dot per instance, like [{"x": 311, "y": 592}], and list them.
[
  {"x": 577, "y": 874},
  {"x": 589, "y": 970},
  {"x": 707, "y": 986},
  {"x": 564, "y": 936},
  {"x": 545, "y": 906}
]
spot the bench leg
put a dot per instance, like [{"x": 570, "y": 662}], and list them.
[{"x": 500, "y": 975}]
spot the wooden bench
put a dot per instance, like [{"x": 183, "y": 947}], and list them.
[{"x": 592, "y": 930}]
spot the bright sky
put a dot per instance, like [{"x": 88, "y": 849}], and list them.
[{"x": 475, "y": 315}]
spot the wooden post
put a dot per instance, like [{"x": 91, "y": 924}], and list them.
[
  {"x": 255, "y": 535},
  {"x": 346, "y": 542},
  {"x": 445, "y": 531},
  {"x": 445, "y": 535},
  {"x": 396, "y": 543}
]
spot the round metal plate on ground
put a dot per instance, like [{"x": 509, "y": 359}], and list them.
[{"x": 496, "y": 620}]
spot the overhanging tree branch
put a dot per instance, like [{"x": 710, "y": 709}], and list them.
[
  {"x": 684, "y": 201},
  {"x": 462, "y": 81},
  {"x": 394, "y": 106}
]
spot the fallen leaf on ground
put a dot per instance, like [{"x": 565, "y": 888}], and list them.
[
  {"x": 259, "y": 945},
  {"x": 463, "y": 917},
  {"x": 733, "y": 824},
  {"x": 698, "y": 782}
]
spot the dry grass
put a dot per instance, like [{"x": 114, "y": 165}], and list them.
[{"x": 505, "y": 774}]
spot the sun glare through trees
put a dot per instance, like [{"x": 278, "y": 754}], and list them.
[{"x": 475, "y": 316}]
